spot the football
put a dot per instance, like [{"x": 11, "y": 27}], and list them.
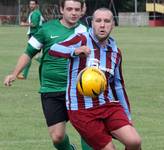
[{"x": 91, "y": 82}]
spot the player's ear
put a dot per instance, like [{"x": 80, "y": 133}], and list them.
[
  {"x": 61, "y": 10},
  {"x": 113, "y": 24}
]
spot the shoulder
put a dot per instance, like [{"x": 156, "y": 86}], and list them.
[
  {"x": 80, "y": 29},
  {"x": 48, "y": 27},
  {"x": 49, "y": 23},
  {"x": 36, "y": 12},
  {"x": 113, "y": 44},
  {"x": 119, "y": 51}
]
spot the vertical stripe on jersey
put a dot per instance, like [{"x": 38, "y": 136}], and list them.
[
  {"x": 122, "y": 96},
  {"x": 82, "y": 65},
  {"x": 96, "y": 52},
  {"x": 114, "y": 64},
  {"x": 69, "y": 83},
  {"x": 108, "y": 65},
  {"x": 88, "y": 100}
]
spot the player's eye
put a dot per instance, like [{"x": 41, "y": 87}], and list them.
[
  {"x": 107, "y": 20},
  {"x": 77, "y": 9},
  {"x": 69, "y": 9},
  {"x": 98, "y": 20}
]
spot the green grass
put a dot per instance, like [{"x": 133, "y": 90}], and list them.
[{"x": 22, "y": 125}]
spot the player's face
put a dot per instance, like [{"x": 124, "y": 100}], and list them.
[
  {"x": 102, "y": 24},
  {"x": 32, "y": 5},
  {"x": 71, "y": 12}
]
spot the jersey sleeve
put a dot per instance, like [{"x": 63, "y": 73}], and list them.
[
  {"x": 66, "y": 48},
  {"x": 35, "y": 43},
  {"x": 120, "y": 88}
]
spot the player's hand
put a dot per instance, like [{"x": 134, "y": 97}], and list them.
[
  {"x": 83, "y": 50},
  {"x": 9, "y": 80},
  {"x": 22, "y": 24}
]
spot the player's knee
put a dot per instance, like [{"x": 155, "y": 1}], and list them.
[
  {"x": 57, "y": 137},
  {"x": 109, "y": 146},
  {"x": 134, "y": 142}
]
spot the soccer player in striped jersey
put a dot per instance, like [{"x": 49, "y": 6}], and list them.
[
  {"x": 53, "y": 72},
  {"x": 34, "y": 23},
  {"x": 108, "y": 115}
]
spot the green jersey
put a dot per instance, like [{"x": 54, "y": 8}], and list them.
[
  {"x": 35, "y": 17},
  {"x": 53, "y": 71}
]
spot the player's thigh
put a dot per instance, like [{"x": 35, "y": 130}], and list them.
[
  {"x": 127, "y": 135},
  {"x": 54, "y": 108},
  {"x": 91, "y": 128}
]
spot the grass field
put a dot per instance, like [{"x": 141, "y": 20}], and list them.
[{"x": 22, "y": 125}]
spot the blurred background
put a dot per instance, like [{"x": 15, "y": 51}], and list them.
[{"x": 129, "y": 12}]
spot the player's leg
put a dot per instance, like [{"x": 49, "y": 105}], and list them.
[
  {"x": 129, "y": 137},
  {"x": 56, "y": 116},
  {"x": 119, "y": 126},
  {"x": 60, "y": 139},
  {"x": 84, "y": 145},
  {"x": 109, "y": 146},
  {"x": 92, "y": 129}
]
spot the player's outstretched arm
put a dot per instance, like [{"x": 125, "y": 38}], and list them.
[{"x": 22, "y": 62}]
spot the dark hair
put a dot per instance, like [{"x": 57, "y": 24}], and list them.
[
  {"x": 36, "y": 1},
  {"x": 62, "y": 2}
]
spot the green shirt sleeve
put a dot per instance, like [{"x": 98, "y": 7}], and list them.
[{"x": 35, "y": 43}]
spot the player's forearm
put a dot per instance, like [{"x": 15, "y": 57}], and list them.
[
  {"x": 22, "y": 62},
  {"x": 26, "y": 24}
]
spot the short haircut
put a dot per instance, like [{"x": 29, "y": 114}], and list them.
[
  {"x": 36, "y": 1},
  {"x": 101, "y": 9},
  {"x": 62, "y": 2}
]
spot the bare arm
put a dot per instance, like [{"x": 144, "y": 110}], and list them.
[
  {"x": 26, "y": 24},
  {"x": 22, "y": 62}
]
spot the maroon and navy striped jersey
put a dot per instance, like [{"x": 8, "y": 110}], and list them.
[{"x": 109, "y": 58}]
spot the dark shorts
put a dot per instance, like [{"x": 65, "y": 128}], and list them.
[
  {"x": 95, "y": 125},
  {"x": 54, "y": 107}
]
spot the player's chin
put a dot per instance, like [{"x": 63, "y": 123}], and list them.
[
  {"x": 102, "y": 37},
  {"x": 74, "y": 20}
]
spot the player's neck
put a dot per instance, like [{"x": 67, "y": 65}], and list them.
[{"x": 66, "y": 24}]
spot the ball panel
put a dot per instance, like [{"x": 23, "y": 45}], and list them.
[{"x": 91, "y": 82}]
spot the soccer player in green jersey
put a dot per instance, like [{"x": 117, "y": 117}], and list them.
[
  {"x": 34, "y": 22},
  {"x": 53, "y": 72}
]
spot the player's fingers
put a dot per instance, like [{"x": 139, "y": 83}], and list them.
[
  {"x": 87, "y": 51},
  {"x": 8, "y": 80}
]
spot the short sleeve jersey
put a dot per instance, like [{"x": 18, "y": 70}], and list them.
[
  {"x": 36, "y": 18},
  {"x": 53, "y": 71}
]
